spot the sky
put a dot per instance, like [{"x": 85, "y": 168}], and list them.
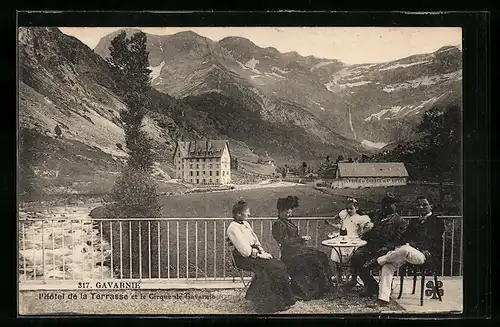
[{"x": 351, "y": 45}]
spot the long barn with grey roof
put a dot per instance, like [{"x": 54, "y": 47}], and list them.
[
  {"x": 206, "y": 162},
  {"x": 376, "y": 174}
]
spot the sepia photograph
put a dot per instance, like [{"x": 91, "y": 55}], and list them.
[{"x": 239, "y": 170}]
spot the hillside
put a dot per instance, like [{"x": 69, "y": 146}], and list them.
[
  {"x": 372, "y": 104},
  {"x": 65, "y": 84}
]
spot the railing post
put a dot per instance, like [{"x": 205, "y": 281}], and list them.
[
  {"x": 149, "y": 247},
  {"x": 187, "y": 249},
  {"x": 43, "y": 253},
  {"x": 102, "y": 253},
  {"x": 159, "y": 250},
  {"x": 452, "y": 245},
  {"x": 121, "y": 250}
]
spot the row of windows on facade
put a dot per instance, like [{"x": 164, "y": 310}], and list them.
[
  {"x": 373, "y": 180},
  {"x": 201, "y": 159},
  {"x": 210, "y": 166},
  {"x": 204, "y": 181},
  {"x": 191, "y": 173}
]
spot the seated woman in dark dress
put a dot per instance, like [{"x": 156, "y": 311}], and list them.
[
  {"x": 309, "y": 268},
  {"x": 270, "y": 288}
]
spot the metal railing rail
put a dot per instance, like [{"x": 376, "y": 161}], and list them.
[{"x": 164, "y": 248}]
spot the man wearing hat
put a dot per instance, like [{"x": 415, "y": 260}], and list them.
[{"x": 387, "y": 233}]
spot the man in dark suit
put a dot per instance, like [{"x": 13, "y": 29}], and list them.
[
  {"x": 423, "y": 244},
  {"x": 426, "y": 233},
  {"x": 387, "y": 233}
]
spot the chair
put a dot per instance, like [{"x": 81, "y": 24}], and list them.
[
  {"x": 238, "y": 271},
  {"x": 433, "y": 288}
]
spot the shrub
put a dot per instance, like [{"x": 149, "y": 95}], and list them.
[{"x": 135, "y": 195}]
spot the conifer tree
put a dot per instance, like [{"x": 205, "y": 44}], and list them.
[{"x": 129, "y": 57}]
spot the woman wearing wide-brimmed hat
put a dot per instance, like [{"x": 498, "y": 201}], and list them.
[{"x": 309, "y": 268}]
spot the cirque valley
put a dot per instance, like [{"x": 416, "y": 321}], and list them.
[{"x": 266, "y": 103}]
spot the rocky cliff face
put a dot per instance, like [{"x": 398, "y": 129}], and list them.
[{"x": 372, "y": 104}]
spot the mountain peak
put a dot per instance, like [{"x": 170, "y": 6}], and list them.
[
  {"x": 187, "y": 35},
  {"x": 237, "y": 41}
]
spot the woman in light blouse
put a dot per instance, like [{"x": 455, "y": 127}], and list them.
[{"x": 270, "y": 288}]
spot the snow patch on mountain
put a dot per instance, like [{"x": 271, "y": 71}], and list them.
[
  {"x": 424, "y": 104},
  {"x": 404, "y": 65},
  {"x": 155, "y": 71},
  {"x": 394, "y": 111},
  {"x": 251, "y": 64},
  {"x": 373, "y": 145},
  {"x": 423, "y": 81},
  {"x": 318, "y": 104},
  {"x": 321, "y": 64},
  {"x": 355, "y": 84},
  {"x": 279, "y": 70},
  {"x": 273, "y": 74},
  {"x": 329, "y": 86},
  {"x": 363, "y": 67}
]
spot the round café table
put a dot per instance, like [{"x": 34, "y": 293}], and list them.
[{"x": 342, "y": 242}]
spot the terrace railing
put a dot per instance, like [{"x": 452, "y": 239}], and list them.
[{"x": 51, "y": 250}]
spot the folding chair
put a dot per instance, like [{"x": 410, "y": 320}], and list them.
[{"x": 239, "y": 271}]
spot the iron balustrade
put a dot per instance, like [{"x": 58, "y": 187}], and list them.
[{"x": 165, "y": 248}]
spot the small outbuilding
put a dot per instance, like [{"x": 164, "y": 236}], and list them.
[{"x": 375, "y": 174}]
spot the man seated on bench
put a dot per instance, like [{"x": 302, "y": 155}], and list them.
[{"x": 424, "y": 238}]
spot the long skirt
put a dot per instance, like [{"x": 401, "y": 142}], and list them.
[
  {"x": 310, "y": 271},
  {"x": 270, "y": 288}
]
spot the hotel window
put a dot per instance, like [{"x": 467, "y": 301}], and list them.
[
  {"x": 197, "y": 173},
  {"x": 203, "y": 180},
  {"x": 203, "y": 172},
  {"x": 197, "y": 181},
  {"x": 211, "y": 166},
  {"x": 197, "y": 166},
  {"x": 198, "y": 160},
  {"x": 203, "y": 159},
  {"x": 210, "y": 181},
  {"x": 210, "y": 173},
  {"x": 190, "y": 180},
  {"x": 190, "y": 166},
  {"x": 191, "y": 173},
  {"x": 223, "y": 173},
  {"x": 217, "y": 173},
  {"x": 217, "y": 180}
]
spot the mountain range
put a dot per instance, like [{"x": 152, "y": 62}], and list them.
[
  {"x": 371, "y": 104},
  {"x": 266, "y": 103}
]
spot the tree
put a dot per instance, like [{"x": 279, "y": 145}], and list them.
[
  {"x": 304, "y": 168},
  {"x": 57, "y": 130},
  {"x": 437, "y": 155},
  {"x": 134, "y": 191},
  {"x": 364, "y": 158}
]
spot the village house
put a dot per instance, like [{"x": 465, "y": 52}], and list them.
[
  {"x": 377, "y": 174},
  {"x": 203, "y": 162}
]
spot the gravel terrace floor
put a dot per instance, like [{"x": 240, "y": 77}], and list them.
[{"x": 227, "y": 301}]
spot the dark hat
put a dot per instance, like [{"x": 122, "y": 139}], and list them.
[
  {"x": 239, "y": 207},
  {"x": 350, "y": 199},
  {"x": 289, "y": 202},
  {"x": 389, "y": 199}
]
